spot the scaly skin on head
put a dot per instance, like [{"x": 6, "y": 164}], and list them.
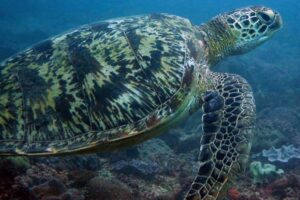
[{"x": 239, "y": 31}]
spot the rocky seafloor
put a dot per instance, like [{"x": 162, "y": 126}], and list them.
[{"x": 161, "y": 168}]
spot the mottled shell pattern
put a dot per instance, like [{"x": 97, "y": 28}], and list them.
[{"x": 101, "y": 83}]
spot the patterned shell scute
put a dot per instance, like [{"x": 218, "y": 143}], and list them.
[{"x": 77, "y": 87}]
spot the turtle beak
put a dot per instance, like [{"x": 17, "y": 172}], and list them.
[{"x": 277, "y": 24}]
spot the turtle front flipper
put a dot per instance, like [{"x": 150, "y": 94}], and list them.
[{"x": 228, "y": 119}]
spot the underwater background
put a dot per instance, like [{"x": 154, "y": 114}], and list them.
[{"x": 163, "y": 167}]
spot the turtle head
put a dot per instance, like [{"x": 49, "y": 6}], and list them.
[
  {"x": 241, "y": 30},
  {"x": 252, "y": 26}
]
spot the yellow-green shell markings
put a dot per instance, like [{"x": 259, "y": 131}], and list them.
[{"x": 97, "y": 84}]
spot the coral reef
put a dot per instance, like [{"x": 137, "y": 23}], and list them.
[
  {"x": 282, "y": 154},
  {"x": 75, "y": 162},
  {"x": 79, "y": 178},
  {"x": 37, "y": 182},
  {"x": 267, "y": 137},
  {"x": 53, "y": 187},
  {"x": 275, "y": 127},
  {"x": 287, "y": 187},
  {"x": 19, "y": 161},
  {"x": 156, "y": 146},
  {"x": 10, "y": 168},
  {"x": 234, "y": 194},
  {"x": 107, "y": 189},
  {"x": 157, "y": 169},
  {"x": 136, "y": 167},
  {"x": 261, "y": 173},
  {"x": 40, "y": 182}
]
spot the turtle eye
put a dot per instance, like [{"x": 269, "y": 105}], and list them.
[{"x": 266, "y": 16}]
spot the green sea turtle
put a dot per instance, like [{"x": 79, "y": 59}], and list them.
[{"x": 118, "y": 82}]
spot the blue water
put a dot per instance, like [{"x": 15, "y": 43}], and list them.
[{"x": 272, "y": 69}]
